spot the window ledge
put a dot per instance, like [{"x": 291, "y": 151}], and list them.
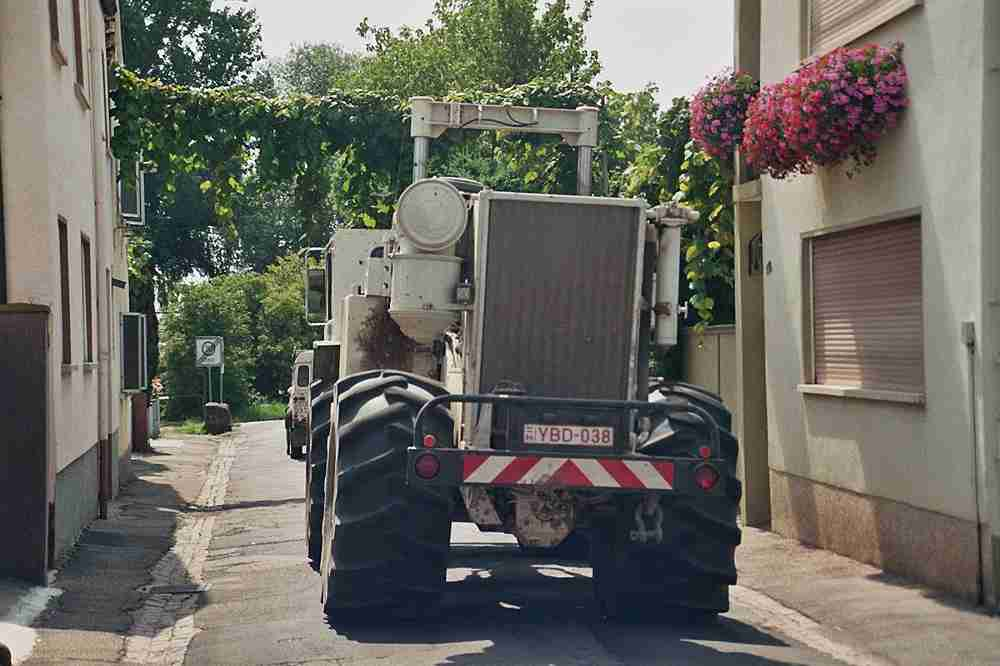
[
  {"x": 69, "y": 368},
  {"x": 902, "y": 397},
  {"x": 81, "y": 95},
  {"x": 89, "y": 367},
  {"x": 59, "y": 54}
]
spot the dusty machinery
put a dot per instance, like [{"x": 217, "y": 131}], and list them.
[{"x": 487, "y": 360}]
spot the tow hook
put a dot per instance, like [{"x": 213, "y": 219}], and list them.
[{"x": 648, "y": 509}]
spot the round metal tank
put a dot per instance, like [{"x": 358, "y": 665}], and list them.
[
  {"x": 423, "y": 285},
  {"x": 431, "y": 216}
]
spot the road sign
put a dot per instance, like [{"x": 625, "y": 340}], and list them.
[{"x": 208, "y": 352}]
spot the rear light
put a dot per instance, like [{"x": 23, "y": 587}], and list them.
[
  {"x": 706, "y": 477},
  {"x": 429, "y": 441},
  {"x": 705, "y": 452},
  {"x": 427, "y": 466}
]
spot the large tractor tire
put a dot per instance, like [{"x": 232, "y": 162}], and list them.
[
  {"x": 389, "y": 544},
  {"x": 695, "y": 564},
  {"x": 319, "y": 433}
]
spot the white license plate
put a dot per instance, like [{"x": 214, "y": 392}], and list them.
[{"x": 568, "y": 434}]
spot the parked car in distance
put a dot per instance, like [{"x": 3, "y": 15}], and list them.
[{"x": 297, "y": 413}]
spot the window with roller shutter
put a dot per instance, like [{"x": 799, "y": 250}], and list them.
[
  {"x": 834, "y": 23},
  {"x": 867, "y": 307}
]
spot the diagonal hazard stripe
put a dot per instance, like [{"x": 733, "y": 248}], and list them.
[
  {"x": 543, "y": 471},
  {"x": 648, "y": 475},
  {"x": 516, "y": 469},
  {"x": 596, "y": 474},
  {"x": 622, "y": 474},
  {"x": 666, "y": 470},
  {"x": 488, "y": 470},
  {"x": 570, "y": 474},
  {"x": 470, "y": 463}
]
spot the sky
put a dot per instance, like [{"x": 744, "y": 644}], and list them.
[{"x": 675, "y": 44}]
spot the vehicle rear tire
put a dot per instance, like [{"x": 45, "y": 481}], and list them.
[
  {"x": 695, "y": 565},
  {"x": 316, "y": 473},
  {"x": 390, "y": 541}
]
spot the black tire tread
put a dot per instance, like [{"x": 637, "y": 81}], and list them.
[
  {"x": 696, "y": 563},
  {"x": 390, "y": 543}
]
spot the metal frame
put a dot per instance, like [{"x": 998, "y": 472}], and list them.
[
  {"x": 306, "y": 253},
  {"x": 451, "y": 461},
  {"x": 429, "y": 119},
  {"x": 139, "y": 219},
  {"x": 473, "y": 356},
  {"x": 645, "y": 407},
  {"x": 451, "y": 458}
]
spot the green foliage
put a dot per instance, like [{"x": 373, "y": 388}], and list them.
[
  {"x": 708, "y": 252},
  {"x": 282, "y": 328},
  {"x": 186, "y": 427},
  {"x": 264, "y": 411},
  {"x": 671, "y": 168},
  {"x": 230, "y": 134},
  {"x": 221, "y": 306},
  {"x": 472, "y": 44},
  {"x": 194, "y": 42},
  {"x": 261, "y": 319},
  {"x": 313, "y": 69}
]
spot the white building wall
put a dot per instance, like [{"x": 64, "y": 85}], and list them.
[
  {"x": 917, "y": 455},
  {"x": 57, "y": 163},
  {"x": 887, "y": 482}
]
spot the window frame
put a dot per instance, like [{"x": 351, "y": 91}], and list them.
[
  {"x": 65, "y": 312},
  {"x": 86, "y": 266},
  {"x": 809, "y": 384},
  {"x": 860, "y": 29},
  {"x": 81, "y": 11},
  {"x": 55, "y": 34}
]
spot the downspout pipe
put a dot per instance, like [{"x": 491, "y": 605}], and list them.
[{"x": 969, "y": 340}]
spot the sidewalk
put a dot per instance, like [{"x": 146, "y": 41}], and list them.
[
  {"x": 865, "y": 608},
  {"x": 99, "y": 591}
]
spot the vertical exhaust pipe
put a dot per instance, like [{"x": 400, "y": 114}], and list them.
[{"x": 669, "y": 219}]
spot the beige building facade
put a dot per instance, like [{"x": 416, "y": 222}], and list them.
[
  {"x": 63, "y": 251},
  {"x": 879, "y": 297}
]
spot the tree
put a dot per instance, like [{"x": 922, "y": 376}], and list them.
[
  {"x": 190, "y": 42},
  {"x": 470, "y": 44},
  {"x": 193, "y": 42},
  {"x": 223, "y": 306},
  {"x": 313, "y": 69},
  {"x": 262, "y": 321},
  {"x": 282, "y": 327}
]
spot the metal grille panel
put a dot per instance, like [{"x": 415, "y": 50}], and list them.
[{"x": 560, "y": 297}]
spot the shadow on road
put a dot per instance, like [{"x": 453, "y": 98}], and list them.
[{"x": 507, "y": 607}]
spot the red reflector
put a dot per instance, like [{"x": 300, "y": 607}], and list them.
[
  {"x": 706, "y": 477},
  {"x": 430, "y": 441},
  {"x": 427, "y": 466},
  {"x": 705, "y": 452}
]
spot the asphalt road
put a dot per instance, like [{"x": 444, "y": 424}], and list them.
[{"x": 501, "y": 607}]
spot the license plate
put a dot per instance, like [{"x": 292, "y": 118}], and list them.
[{"x": 568, "y": 434}]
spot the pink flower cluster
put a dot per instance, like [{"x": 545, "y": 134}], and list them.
[
  {"x": 832, "y": 109},
  {"x": 718, "y": 111}
]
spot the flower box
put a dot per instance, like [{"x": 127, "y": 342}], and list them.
[{"x": 833, "y": 109}]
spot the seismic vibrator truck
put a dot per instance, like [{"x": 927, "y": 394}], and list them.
[{"x": 486, "y": 360}]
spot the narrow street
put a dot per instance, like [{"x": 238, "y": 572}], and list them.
[{"x": 263, "y": 604}]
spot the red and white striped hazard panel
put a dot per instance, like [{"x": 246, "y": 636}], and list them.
[{"x": 575, "y": 472}]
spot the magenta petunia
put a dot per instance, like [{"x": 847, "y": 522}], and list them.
[
  {"x": 832, "y": 109},
  {"x": 718, "y": 112}
]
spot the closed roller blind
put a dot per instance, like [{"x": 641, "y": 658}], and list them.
[
  {"x": 833, "y": 23},
  {"x": 868, "y": 307}
]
